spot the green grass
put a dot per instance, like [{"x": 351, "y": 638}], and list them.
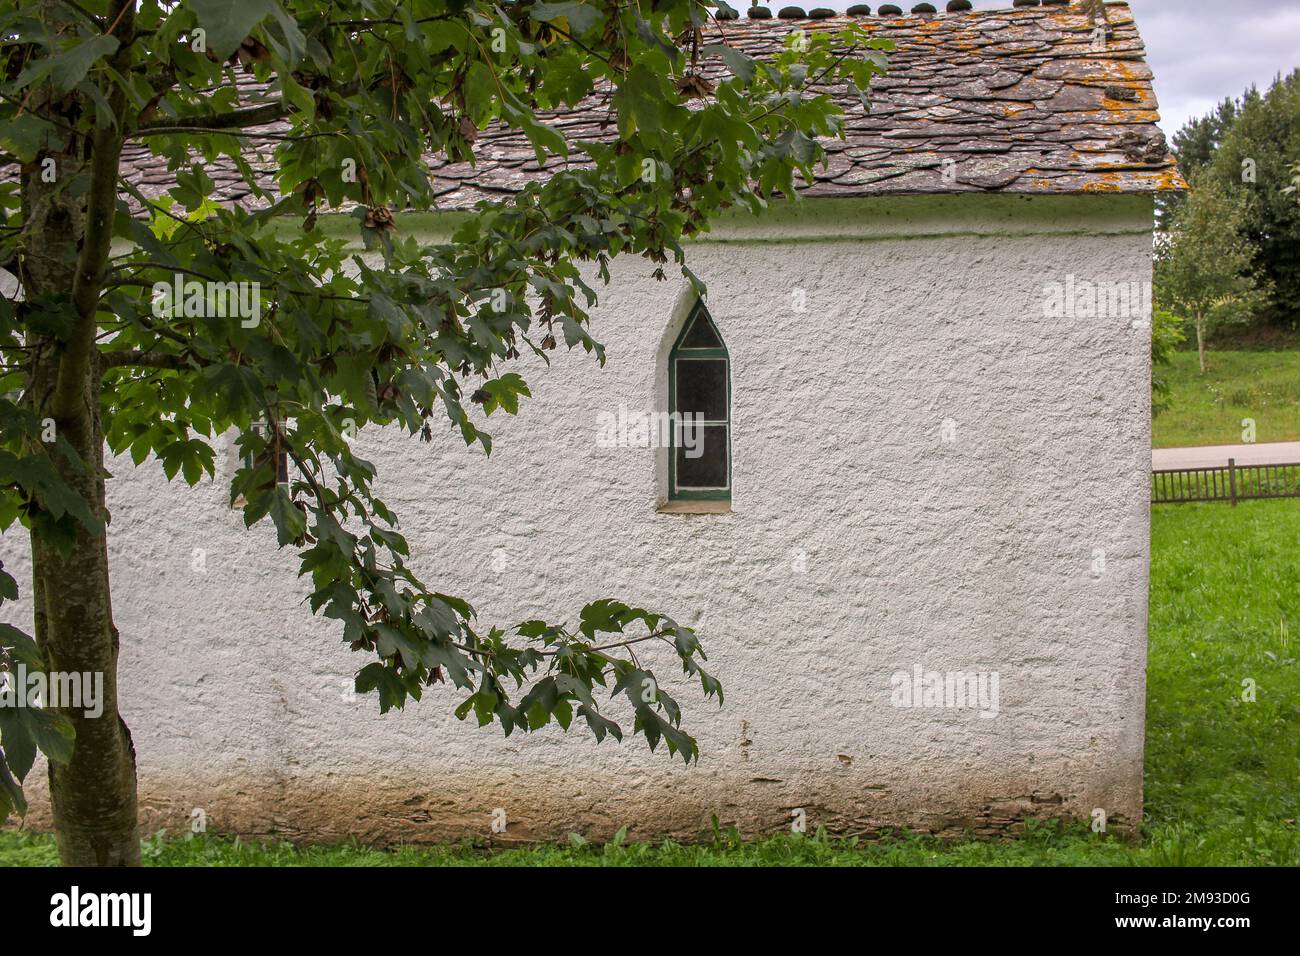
[
  {"x": 1208, "y": 409},
  {"x": 1221, "y": 773}
]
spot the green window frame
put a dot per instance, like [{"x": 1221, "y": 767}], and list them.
[{"x": 698, "y": 341}]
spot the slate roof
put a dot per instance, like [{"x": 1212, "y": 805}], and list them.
[{"x": 1012, "y": 101}]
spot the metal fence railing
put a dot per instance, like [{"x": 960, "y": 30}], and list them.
[{"x": 1230, "y": 483}]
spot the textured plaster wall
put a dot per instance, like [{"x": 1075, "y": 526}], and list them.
[{"x": 978, "y": 554}]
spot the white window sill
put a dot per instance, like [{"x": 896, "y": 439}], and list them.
[{"x": 695, "y": 508}]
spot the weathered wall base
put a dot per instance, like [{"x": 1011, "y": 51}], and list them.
[{"x": 387, "y": 811}]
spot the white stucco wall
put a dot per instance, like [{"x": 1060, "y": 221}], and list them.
[{"x": 978, "y": 554}]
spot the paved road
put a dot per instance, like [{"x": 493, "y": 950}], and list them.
[{"x": 1278, "y": 453}]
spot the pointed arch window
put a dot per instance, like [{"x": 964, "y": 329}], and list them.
[{"x": 699, "y": 398}]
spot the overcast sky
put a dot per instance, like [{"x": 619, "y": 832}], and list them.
[
  {"x": 1204, "y": 50},
  {"x": 1201, "y": 50}
]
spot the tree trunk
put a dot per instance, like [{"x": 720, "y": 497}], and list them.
[
  {"x": 1200, "y": 340},
  {"x": 94, "y": 794},
  {"x": 69, "y": 231}
]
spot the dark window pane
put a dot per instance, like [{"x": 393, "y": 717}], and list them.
[
  {"x": 702, "y": 457},
  {"x": 702, "y": 388},
  {"x": 700, "y": 335}
]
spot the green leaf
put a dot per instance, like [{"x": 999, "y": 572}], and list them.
[
  {"x": 600, "y": 725},
  {"x": 480, "y": 90},
  {"x": 69, "y": 67},
  {"x": 375, "y": 676},
  {"x": 24, "y": 136},
  {"x": 439, "y": 617},
  {"x": 19, "y": 745},
  {"x": 391, "y": 641},
  {"x": 227, "y": 22},
  {"x": 563, "y": 712},
  {"x": 504, "y": 393},
  {"x": 296, "y": 43},
  {"x": 603, "y": 615},
  {"x": 290, "y": 521},
  {"x": 53, "y": 733},
  {"x": 384, "y": 310},
  {"x": 742, "y": 67},
  {"x": 19, "y": 645},
  {"x": 581, "y": 17},
  {"x": 641, "y": 103},
  {"x": 73, "y": 65}
]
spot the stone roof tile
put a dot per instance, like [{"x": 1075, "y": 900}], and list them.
[{"x": 1013, "y": 101}]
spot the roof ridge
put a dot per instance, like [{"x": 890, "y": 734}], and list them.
[{"x": 952, "y": 7}]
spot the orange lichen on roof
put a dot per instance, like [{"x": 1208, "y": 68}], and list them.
[
  {"x": 1010, "y": 101},
  {"x": 1172, "y": 180}
]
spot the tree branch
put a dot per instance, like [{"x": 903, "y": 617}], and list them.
[
  {"x": 232, "y": 121},
  {"x": 138, "y": 358},
  {"x": 237, "y": 119}
]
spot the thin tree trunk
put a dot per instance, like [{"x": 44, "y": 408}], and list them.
[{"x": 1200, "y": 339}]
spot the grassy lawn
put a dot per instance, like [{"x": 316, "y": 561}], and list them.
[
  {"x": 1221, "y": 773},
  {"x": 1208, "y": 409}
]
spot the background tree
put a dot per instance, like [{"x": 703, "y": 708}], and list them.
[
  {"x": 1264, "y": 141},
  {"x": 1246, "y": 147},
  {"x": 360, "y": 93},
  {"x": 1202, "y": 263}
]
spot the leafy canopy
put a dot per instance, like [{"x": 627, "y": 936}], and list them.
[
  {"x": 1248, "y": 147},
  {"x": 359, "y": 95}
]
